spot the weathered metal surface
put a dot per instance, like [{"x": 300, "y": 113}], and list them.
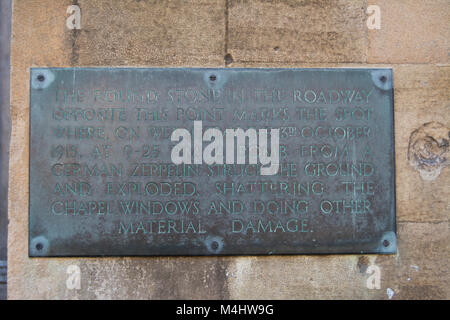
[{"x": 102, "y": 180}]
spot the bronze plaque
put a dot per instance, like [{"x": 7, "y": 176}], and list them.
[{"x": 162, "y": 161}]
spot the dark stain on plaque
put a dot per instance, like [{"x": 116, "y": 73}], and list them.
[{"x": 177, "y": 161}]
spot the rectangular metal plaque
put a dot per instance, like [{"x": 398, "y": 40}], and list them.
[{"x": 141, "y": 162}]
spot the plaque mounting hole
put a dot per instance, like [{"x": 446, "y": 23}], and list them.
[
  {"x": 383, "y": 79},
  {"x": 386, "y": 243},
  {"x": 214, "y": 245},
  {"x": 41, "y": 78},
  {"x": 213, "y": 77},
  {"x": 39, "y": 246}
]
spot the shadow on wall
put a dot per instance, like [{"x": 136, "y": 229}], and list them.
[{"x": 5, "y": 126}]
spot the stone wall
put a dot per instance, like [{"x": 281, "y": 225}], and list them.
[{"x": 413, "y": 40}]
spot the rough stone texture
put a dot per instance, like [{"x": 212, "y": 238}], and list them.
[
  {"x": 149, "y": 33},
  {"x": 124, "y": 278},
  {"x": 412, "y": 31},
  {"x": 297, "y": 31},
  {"x": 421, "y": 96},
  {"x": 419, "y": 270},
  {"x": 37, "y": 31}
]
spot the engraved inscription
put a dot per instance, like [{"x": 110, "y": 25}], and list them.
[{"x": 211, "y": 161}]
